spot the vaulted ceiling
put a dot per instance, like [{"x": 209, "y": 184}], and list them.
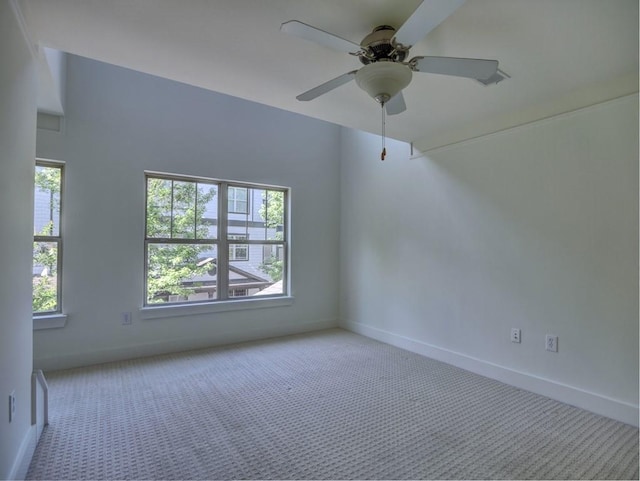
[{"x": 560, "y": 54}]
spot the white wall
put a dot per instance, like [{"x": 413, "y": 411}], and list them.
[
  {"x": 119, "y": 123},
  {"x": 51, "y": 81},
  {"x": 18, "y": 87},
  {"x": 535, "y": 228}
]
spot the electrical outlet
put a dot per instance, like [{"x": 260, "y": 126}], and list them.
[
  {"x": 515, "y": 335},
  {"x": 12, "y": 405},
  {"x": 126, "y": 319},
  {"x": 551, "y": 343}
]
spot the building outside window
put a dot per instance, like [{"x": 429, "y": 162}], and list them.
[
  {"x": 47, "y": 239},
  {"x": 200, "y": 234}
]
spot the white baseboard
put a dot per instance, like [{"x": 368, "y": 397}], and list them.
[
  {"x": 24, "y": 456},
  {"x": 612, "y": 408},
  {"x": 99, "y": 356}
]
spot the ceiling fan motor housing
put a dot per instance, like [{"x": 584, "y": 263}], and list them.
[
  {"x": 378, "y": 46},
  {"x": 384, "y": 79}
]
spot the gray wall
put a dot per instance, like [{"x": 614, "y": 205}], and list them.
[
  {"x": 18, "y": 89},
  {"x": 119, "y": 123},
  {"x": 534, "y": 228}
]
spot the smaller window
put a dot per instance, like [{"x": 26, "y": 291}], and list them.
[
  {"x": 238, "y": 252},
  {"x": 238, "y": 293},
  {"x": 237, "y": 200},
  {"x": 47, "y": 238}
]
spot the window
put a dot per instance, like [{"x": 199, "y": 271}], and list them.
[
  {"x": 197, "y": 248},
  {"x": 47, "y": 238},
  {"x": 237, "y": 292},
  {"x": 238, "y": 252},
  {"x": 237, "y": 200}
]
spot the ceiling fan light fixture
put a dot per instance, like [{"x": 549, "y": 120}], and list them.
[{"x": 383, "y": 80}]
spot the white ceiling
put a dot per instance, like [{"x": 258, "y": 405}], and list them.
[{"x": 551, "y": 48}]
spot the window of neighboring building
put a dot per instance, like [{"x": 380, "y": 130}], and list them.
[
  {"x": 47, "y": 238},
  {"x": 238, "y": 252},
  {"x": 238, "y": 201},
  {"x": 196, "y": 250}
]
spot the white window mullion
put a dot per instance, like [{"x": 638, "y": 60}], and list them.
[
  {"x": 223, "y": 246},
  {"x": 286, "y": 281}
]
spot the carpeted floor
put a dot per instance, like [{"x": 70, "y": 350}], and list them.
[{"x": 327, "y": 405}]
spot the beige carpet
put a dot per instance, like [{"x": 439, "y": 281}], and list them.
[{"x": 328, "y": 405}]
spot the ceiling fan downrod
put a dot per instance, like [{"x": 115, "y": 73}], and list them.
[{"x": 383, "y": 154}]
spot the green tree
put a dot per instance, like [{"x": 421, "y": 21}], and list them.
[
  {"x": 48, "y": 180},
  {"x": 175, "y": 210},
  {"x": 272, "y": 211}
]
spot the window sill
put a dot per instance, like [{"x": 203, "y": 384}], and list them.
[
  {"x": 52, "y": 321},
  {"x": 153, "y": 312}
]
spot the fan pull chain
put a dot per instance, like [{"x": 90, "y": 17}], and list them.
[{"x": 383, "y": 154}]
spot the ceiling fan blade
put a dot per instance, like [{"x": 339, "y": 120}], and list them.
[
  {"x": 474, "y": 68},
  {"x": 396, "y": 105},
  {"x": 428, "y": 15},
  {"x": 497, "y": 77},
  {"x": 326, "y": 39},
  {"x": 327, "y": 86}
]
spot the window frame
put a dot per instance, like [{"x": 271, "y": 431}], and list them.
[
  {"x": 222, "y": 242},
  {"x": 55, "y": 239}
]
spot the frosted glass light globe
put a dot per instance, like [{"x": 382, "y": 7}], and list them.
[{"x": 383, "y": 80}]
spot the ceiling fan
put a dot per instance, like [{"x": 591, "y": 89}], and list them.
[{"x": 383, "y": 53}]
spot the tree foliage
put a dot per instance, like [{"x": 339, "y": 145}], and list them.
[
  {"x": 45, "y": 298},
  {"x": 48, "y": 180},
  {"x": 45, "y": 292}
]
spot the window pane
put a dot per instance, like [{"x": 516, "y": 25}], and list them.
[
  {"x": 47, "y": 201},
  {"x": 172, "y": 211},
  {"x": 258, "y": 275},
  {"x": 181, "y": 273},
  {"x": 207, "y": 211},
  {"x": 158, "y": 207},
  {"x": 183, "y": 225},
  {"x": 266, "y": 218},
  {"x": 239, "y": 229},
  {"x": 274, "y": 214},
  {"x": 45, "y": 277}
]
